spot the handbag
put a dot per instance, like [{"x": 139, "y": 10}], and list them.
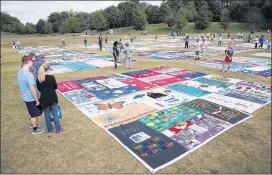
[{"x": 59, "y": 114}]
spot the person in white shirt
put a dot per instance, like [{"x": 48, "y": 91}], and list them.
[
  {"x": 203, "y": 46},
  {"x": 256, "y": 41},
  {"x": 198, "y": 49},
  {"x": 220, "y": 40},
  {"x": 18, "y": 45}
]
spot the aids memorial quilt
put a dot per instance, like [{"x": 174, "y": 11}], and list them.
[{"x": 162, "y": 114}]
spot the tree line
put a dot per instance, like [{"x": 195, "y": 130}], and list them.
[{"x": 175, "y": 13}]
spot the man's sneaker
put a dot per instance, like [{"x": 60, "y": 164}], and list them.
[{"x": 38, "y": 131}]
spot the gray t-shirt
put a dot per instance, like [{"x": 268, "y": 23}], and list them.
[{"x": 230, "y": 53}]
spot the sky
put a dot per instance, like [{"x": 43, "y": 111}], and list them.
[{"x": 32, "y": 11}]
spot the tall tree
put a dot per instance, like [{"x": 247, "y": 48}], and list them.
[
  {"x": 175, "y": 5},
  {"x": 112, "y": 15},
  {"x": 181, "y": 21},
  {"x": 153, "y": 14},
  {"x": 40, "y": 26},
  {"x": 254, "y": 16},
  {"x": 98, "y": 20},
  {"x": 48, "y": 28},
  {"x": 170, "y": 20},
  {"x": 165, "y": 11},
  {"x": 189, "y": 11},
  {"x": 72, "y": 25},
  {"x": 204, "y": 17},
  {"x": 237, "y": 10},
  {"x": 225, "y": 19},
  {"x": 30, "y": 28},
  {"x": 215, "y": 8},
  {"x": 132, "y": 15}
]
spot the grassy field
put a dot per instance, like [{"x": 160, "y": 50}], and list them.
[
  {"x": 83, "y": 147},
  {"x": 214, "y": 27}
]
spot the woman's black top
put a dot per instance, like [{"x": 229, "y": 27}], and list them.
[{"x": 48, "y": 91}]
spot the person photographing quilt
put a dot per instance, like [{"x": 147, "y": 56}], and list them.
[
  {"x": 47, "y": 85},
  {"x": 228, "y": 59}
]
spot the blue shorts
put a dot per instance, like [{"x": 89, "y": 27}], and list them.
[{"x": 33, "y": 110}]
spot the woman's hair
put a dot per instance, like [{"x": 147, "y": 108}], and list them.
[{"x": 42, "y": 70}]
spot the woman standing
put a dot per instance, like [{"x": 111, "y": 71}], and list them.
[
  {"x": 115, "y": 53},
  {"x": 47, "y": 85}
]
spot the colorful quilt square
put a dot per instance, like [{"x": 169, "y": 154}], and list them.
[
  {"x": 163, "y": 120},
  {"x": 218, "y": 111},
  {"x": 179, "y": 87}
]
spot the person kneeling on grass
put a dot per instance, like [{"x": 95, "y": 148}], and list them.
[
  {"x": 229, "y": 54},
  {"x": 49, "y": 100},
  {"x": 127, "y": 52}
]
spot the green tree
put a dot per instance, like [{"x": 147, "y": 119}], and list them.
[
  {"x": 98, "y": 20},
  {"x": 204, "y": 17},
  {"x": 215, "y": 8},
  {"x": 18, "y": 27},
  {"x": 175, "y": 5},
  {"x": 237, "y": 10},
  {"x": 189, "y": 11},
  {"x": 112, "y": 15},
  {"x": 170, "y": 20},
  {"x": 132, "y": 15},
  {"x": 48, "y": 28},
  {"x": 267, "y": 12},
  {"x": 254, "y": 16},
  {"x": 165, "y": 11},
  {"x": 72, "y": 25},
  {"x": 29, "y": 28},
  {"x": 40, "y": 27},
  {"x": 153, "y": 14},
  {"x": 181, "y": 21},
  {"x": 225, "y": 19}
]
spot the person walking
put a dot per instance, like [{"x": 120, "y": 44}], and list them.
[
  {"x": 256, "y": 40},
  {"x": 198, "y": 49},
  {"x": 115, "y": 53},
  {"x": 85, "y": 42},
  {"x": 228, "y": 59},
  {"x": 187, "y": 42},
  {"x": 47, "y": 85},
  {"x": 261, "y": 41},
  {"x": 63, "y": 42},
  {"x": 106, "y": 38},
  {"x": 220, "y": 40},
  {"x": 127, "y": 52},
  {"x": 29, "y": 93},
  {"x": 228, "y": 35},
  {"x": 203, "y": 46},
  {"x": 18, "y": 45},
  {"x": 242, "y": 35},
  {"x": 100, "y": 39}
]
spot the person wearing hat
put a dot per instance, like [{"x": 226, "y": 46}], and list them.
[
  {"x": 29, "y": 93},
  {"x": 115, "y": 53},
  {"x": 228, "y": 59},
  {"x": 127, "y": 52}
]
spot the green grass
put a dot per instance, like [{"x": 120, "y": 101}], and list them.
[{"x": 83, "y": 147}]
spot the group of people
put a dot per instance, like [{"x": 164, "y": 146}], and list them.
[
  {"x": 38, "y": 91},
  {"x": 117, "y": 48}
]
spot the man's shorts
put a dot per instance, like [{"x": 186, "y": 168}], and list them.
[{"x": 33, "y": 110}]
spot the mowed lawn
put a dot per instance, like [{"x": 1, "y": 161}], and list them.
[{"x": 83, "y": 147}]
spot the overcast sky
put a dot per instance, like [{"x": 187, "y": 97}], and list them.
[{"x": 32, "y": 11}]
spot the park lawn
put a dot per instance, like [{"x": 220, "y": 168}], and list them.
[{"x": 83, "y": 147}]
